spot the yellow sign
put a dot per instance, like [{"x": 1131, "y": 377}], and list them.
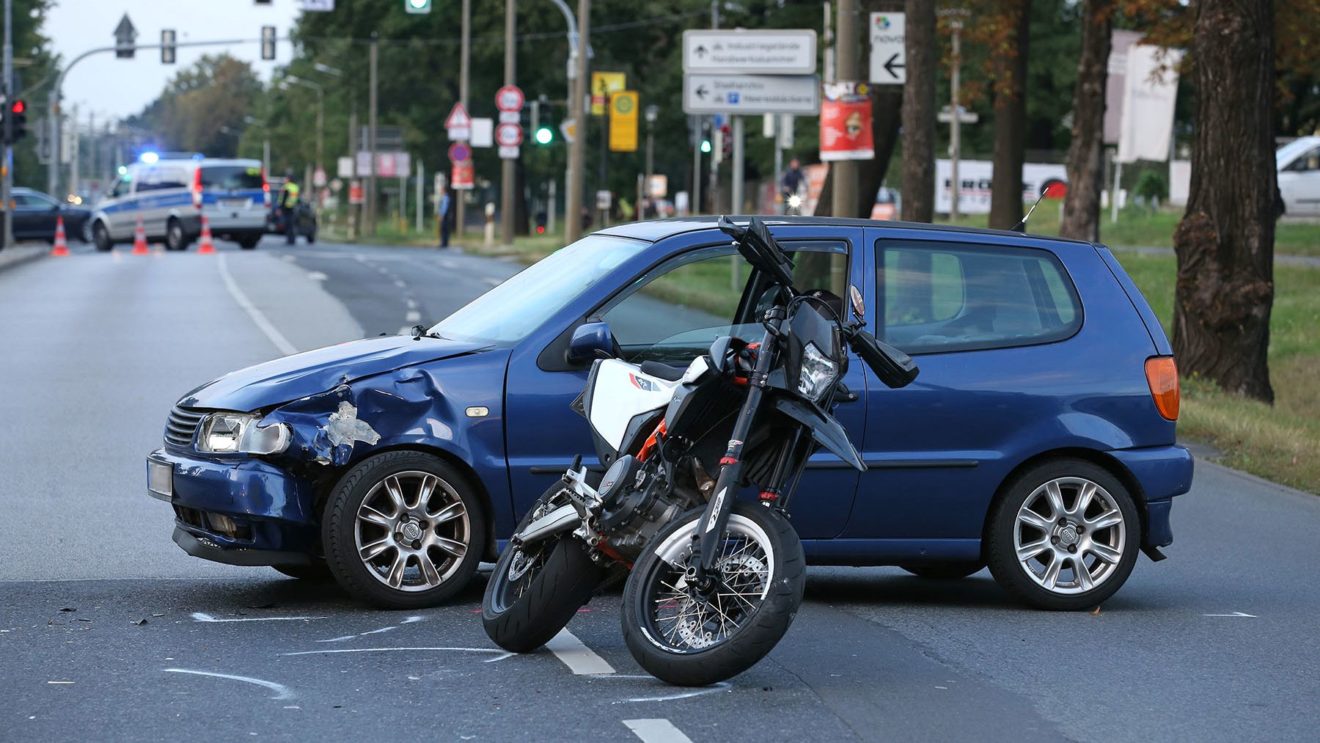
[
  {"x": 604, "y": 85},
  {"x": 623, "y": 121}
]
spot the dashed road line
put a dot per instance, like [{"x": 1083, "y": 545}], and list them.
[
  {"x": 579, "y": 658},
  {"x": 412, "y": 316},
  {"x": 656, "y": 730}
]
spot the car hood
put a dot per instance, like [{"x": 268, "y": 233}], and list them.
[{"x": 300, "y": 375}]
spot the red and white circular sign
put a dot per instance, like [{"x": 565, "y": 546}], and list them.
[
  {"x": 509, "y": 98},
  {"x": 508, "y": 135}
]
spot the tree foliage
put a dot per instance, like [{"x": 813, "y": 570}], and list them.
[{"x": 204, "y": 108}]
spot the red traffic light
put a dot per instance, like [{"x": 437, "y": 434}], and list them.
[{"x": 20, "y": 106}]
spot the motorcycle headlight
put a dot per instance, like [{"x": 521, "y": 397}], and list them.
[
  {"x": 817, "y": 373},
  {"x": 238, "y": 433}
]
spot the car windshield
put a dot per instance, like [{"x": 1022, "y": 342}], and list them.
[
  {"x": 513, "y": 309},
  {"x": 231, "y": 177}
]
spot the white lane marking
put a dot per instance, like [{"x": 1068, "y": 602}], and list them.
[
  {"x": 391, "y": 650},
  {"x": 400, "y": 283},
  {"x": 281, "y": 691},
  {"x": 579, "y": 658},
  {"x": 722, "y": 685},
  {"x": 656, "y": 730},
  {"x": 258, "y": 317},
  {"x": 1234, "y": 614},
  {"x": 412, "y": 303},
  {"x": 412, "y": 316},
  {"x": 200, "y": 617},
  {"x": 405, "y": 330},
  {"x": 493, "y": 281},
  {"x": 317, "y": 276}
]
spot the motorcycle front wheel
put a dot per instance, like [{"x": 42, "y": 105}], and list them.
[
  {"x": 689, "y": 637},
  {"x": 536, "y": 589}
]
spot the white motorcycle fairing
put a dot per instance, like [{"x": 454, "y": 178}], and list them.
[{"x": 620, "y": 393}]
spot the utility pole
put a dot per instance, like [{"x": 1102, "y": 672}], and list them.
[
  {"x": 652, "y": 113},
  {"x": 955, "y": 133},
  {"x": 694, "y": 205},
  {"x": 577, "y": 149},
  {"x": 713, "y": 189},
  {"x": 371, "y": 136},
  {"x": 465, "y": 51},
  {"x": 354, "y": 210},
  {"x": 846, "y": 47},
  {"x": 508, "y": 167},
  {"x": 7, "y": 182}
]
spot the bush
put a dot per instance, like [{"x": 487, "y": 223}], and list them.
[{"x": 1151, "y": 187}]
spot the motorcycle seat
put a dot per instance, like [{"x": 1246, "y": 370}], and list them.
[{"x": 661, "y": 370}]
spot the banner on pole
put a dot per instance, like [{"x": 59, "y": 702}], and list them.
[
  {"x": 845, "y": 123},
  {"x": 623, "y": 121}
]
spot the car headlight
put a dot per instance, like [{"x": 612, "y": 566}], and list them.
[
  {"x": 238, "y": 433},
  {"x": 817, "y": 373}
]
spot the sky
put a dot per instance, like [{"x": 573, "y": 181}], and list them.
[{"x": 115, "y": 88}]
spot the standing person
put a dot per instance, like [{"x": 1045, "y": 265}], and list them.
[
  {"x": 288, "y": 206},
  {"x": 793, "y": 184},
  {"x": 443, "y": 207}
]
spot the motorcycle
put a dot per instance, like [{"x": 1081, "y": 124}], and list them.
[{"x": 713, "y": 581}]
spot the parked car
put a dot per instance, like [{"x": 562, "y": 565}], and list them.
[
  {"x": 1039, "y": 438},
  {"x": 36, "y": 213},
  {"x": 1299, "y": 176},
  {"x": 171, "y": 195}
]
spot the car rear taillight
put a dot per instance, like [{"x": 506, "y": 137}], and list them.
[
  {"x": 197, "y": 188},
  {"x": 1162, "y": 376},
  {"x": 265, "y": 188}
]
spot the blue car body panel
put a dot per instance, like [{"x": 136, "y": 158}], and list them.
[{"x": 937, "y": 451}]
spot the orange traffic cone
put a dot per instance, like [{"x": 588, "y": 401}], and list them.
[
  {"x": 61, "y": 243},
  {"x": 206, "y": 245},
  {"x": 140, "y": 238}
]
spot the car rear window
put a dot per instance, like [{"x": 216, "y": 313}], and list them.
[
  {"x": 231, "y": 177},
  {"x": 945, "y": 297}
]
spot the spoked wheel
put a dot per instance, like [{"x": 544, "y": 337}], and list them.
[
  {"x": 403, "y": 530},
  {"x": 1065, "y": 536},
  {"x": 688, "y": 636},
  {"x": 537, "y": 588}
]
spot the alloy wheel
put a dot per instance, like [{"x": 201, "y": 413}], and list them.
[
  {"x": 412, "y": 531},
  {"x": 1069, "y": 535}
]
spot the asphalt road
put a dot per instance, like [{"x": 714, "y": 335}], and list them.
[{"x": 109, "y": 632}]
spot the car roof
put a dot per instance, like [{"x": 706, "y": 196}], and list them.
[
  {"x": 659, "y": 229},
  {"x": 1286, "y": 153}
]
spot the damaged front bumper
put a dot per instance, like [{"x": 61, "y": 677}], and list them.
[{"x": 239, "y": 510}]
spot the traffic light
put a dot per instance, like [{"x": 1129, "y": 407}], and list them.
[
  {"x": 167, "y": 48},
  {"x": 268, "y": 42},
  {"x": 18, "y": 113},
  {"x": 544, "y": 135},
  {"x": 417, "y": 6}
]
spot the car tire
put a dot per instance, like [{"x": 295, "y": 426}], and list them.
[
  {"x": 101, "y": 236},
  {"x": 175, "y": 238},
  {"x": 944, "y": 570},
  {"x": 315, "y": 572},
  {"x": 1064, "y": 536},
  {"x": 403, "y": 530},
  {"x": 85, "y": 234},
  {"x": 249, "y": 243}
]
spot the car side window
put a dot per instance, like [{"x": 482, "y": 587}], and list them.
[
  {"x": 674, "y": 312},
  {"x": 943, "y": 297}
]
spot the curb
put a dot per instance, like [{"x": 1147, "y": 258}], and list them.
[{"x": 17, "y": 255}]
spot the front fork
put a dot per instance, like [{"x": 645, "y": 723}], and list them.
[{"x": 716, "y": 515}]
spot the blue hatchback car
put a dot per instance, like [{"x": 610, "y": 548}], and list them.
[{"x": 1038, "y": 439}]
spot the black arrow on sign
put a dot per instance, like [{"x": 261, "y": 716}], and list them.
[
  {"x": 889, "y": 66},
  {"x": 701, "y": 51},
  {"x": 701, "y": 92}
]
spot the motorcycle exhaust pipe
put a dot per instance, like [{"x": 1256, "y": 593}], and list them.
[{"x": 562, "y": 519}]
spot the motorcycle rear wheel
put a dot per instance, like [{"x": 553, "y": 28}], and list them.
[
  {"x": 533, "y": 594},
  {"x": 686, "y": 638}
]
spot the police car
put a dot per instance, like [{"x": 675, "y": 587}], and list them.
[{"x": 171, "y": 193}]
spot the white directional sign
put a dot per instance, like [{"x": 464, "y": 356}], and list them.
[
  {"x": 751, "y": 94},
  {"x": 888, "y": 54},
  {"x": 779, "y": 52}
]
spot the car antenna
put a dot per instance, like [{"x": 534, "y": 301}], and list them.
[{"x": 1022, "y": 226}]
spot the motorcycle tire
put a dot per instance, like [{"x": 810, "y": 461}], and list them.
[
  {"x": 671, "y": 629},
  {"x": 531, "y": 597}
]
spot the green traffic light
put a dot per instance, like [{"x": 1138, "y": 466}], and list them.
[
  {"x": 545, "y": 135},
  {"x": 705, "y": 146},
  {"x": 417, "y": 6}
]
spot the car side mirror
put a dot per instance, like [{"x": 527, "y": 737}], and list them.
[
  {"x": 858, "y": 306},
  {"x": 590, "y": 342}
]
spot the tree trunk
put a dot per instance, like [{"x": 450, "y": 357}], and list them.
[
  {"x": 1086, "y": 154},
  {"x": 1010, "y": 118},
  {"x": 1225, "y": 241},
  {"x": 919, "y": 113}
]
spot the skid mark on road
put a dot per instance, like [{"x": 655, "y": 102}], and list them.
[
  {"x": 281, "y": 691},
  {"x": 200, "y": 617},
  {"x": 579, "y": 658},
  {"x": 397, "y": 650},
  {"x": 674, "y": 697},
  {"x": 656, "y": 730}
]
